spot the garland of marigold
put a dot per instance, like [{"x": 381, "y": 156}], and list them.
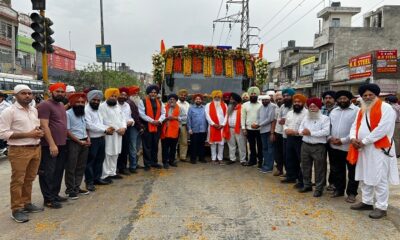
[
  {"x": 229, "y": 67},
  {"x": 168, "y": 66},
  {"x": 239, "y": 67},
  {"x": 187, "y": 66},
  {"x": 207, "y": 66},
  {"x": 178, "y": 64},
  {"x": 249, "y": 69},
  {"x": 197, "y": 64},
  {"x": 218, "y": 66}
]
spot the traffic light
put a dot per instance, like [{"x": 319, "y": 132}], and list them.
[
  {"x": 38, "y": 4},
  {"x": 42, "y": 33}
]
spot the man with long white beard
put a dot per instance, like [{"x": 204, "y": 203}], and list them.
[
  {"x": 293, "y": 145},
  {"x": 112, "y": 116},
  {"x": 216, "y": 115},
  {"x": 314, "y": 128},
  {"x": 136, "y": 131},
  {"x": 373, "y": 152}
]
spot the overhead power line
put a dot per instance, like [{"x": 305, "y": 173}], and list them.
[
  {"x": 276, "y": 14},
  {"x": 294, "y": 23},
  {"x": 219, "y": 11}
]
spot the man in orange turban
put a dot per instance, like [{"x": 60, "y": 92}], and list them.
[{"x": 57, "y": 91}]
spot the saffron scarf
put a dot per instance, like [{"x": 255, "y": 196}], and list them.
[
  {"x": 375, "y": 117},
  {"x": 216, "y": 134},
  {"x": 238, "y": 109},
  {"x": 170, "y": 128},
  {"x": 149, "y": 112}
]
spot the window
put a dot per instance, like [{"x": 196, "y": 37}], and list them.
[
  {"x": 323, "y": 57},
  {"x": 330, "y": 55},
  {"x": 5, "y": 30},
  {"x": 335, "y": 22}
]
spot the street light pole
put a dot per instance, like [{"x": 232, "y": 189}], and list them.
[{"x": 103, "y": 64}]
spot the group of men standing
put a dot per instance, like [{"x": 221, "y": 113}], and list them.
[{"x": 97, "y": 137}]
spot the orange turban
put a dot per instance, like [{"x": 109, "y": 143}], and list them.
[
  {"x": 300, "y": 97},
  {"x": 74, "y": 97},
  {"x": 111, "y": 91},
  {"x": 56, "y": 86},
  {"x": 134, "y": 90}
]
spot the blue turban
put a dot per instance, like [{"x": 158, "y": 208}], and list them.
[
  {"x": 150, "y": 88},
  {"x": 94, "y": 93},
  {"x": 289, "y": 91}
]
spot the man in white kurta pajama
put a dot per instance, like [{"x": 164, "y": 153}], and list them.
[
  {"x": 217, "y": 147},
  {"x": 376, "y": 167},
  {"x": 112, "y": 116}
]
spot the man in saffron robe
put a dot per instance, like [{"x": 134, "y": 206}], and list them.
[
  {"x": 216, "y": 115},
  {"x": 373, "y": 152}
]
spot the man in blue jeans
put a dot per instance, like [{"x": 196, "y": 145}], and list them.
[{"x": 267, "y": 122}]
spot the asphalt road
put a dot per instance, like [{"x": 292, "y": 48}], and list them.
[{"x": 200, "y": 201}]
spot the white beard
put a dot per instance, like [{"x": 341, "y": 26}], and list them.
[
  {"x": 135, "y": 99},
  {"x": 367, "y": 106},
  {"x": 314, "y": 115}
]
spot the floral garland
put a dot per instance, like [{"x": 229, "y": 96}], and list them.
[
  {"x": 261, "y": 72},
  {"x": 207, "y": 66},
  {"x": 158, "y": 67},
  {"x": 229, "y": 67},
  {"x": 239, "y": 65},
  {"x": 168, "y": 66},
  {"x": 178, "y": 64},
  {"x": 249, "y": 69},
  {"x": 187, "y": 65},
  {"x": 197, "y": 64},
  {"x": 218, "y": 66}
]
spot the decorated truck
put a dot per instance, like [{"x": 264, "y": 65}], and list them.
[{"x": 202, "y": 69}]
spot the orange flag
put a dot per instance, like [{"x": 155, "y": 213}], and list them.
[
  {"x": 162, "y": 47},
  {"x": 260, "y": 53}
]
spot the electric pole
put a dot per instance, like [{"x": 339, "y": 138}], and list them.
[{"x": 103, "y": 64}]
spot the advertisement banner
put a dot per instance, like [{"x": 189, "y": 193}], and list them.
[
  {"x": 360, "y": 66},
  {"x": 24, "y": 40},
  {"x": 386, "y": 61},
  {"x": 307, "y": 66}
]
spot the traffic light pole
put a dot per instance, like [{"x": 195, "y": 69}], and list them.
[
  {"x": 103, "y": 64},
  {"x": 45, "y": 72}
]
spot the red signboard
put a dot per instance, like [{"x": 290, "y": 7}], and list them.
[
  {"x": 360, "y": 66},
  {"x": 62, "y": 59},
  {"x": 386, "y": 61}
]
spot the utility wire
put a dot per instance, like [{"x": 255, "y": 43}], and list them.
[
  {"x": 223, "y": 27},
  {"x": 219, "y": 11},
  {"x": 276, "y": 14},
  {"x": 283, "y": 19},
  {"x": 230, "y": 29},
  {"x": 291, "y": 25}
]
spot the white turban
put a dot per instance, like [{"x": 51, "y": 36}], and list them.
[
  {"x": 271, "y": 93},
  {"x": 70, "y": 89},
  {"x": 263, "y": 97},
  {"x": 21, "y": 87}
]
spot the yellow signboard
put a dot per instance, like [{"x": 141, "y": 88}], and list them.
[{"x": 307, "y": 60}]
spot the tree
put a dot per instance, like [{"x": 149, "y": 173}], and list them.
[{"x": 91, "y": 76}]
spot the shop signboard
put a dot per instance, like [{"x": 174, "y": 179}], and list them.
[
  {"x": 307, "y": 66},
  {"x": 360, "y": 66},
  {"x": 386, "y": 61}
]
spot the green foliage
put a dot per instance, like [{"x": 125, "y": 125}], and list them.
[
  {"x": 261, "y": 72},
  {"x": 91, "y": 76}
]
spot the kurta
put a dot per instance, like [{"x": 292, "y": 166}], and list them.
[
  {"x": 222, "y": 118},
  {"x": 372, "y": 163},
  {"x": 113, "y": 117}
]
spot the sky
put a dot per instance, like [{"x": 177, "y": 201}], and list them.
[{"x": 135, "y": 28}]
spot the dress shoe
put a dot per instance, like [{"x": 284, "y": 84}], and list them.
[
  {"x": 286, "y": 180},
  {"x": 249, "y": 164},
  {"x": 361, "y": 207},
  {"x": 132, "y": 170},
  {"x": 336, "y": 194},
  {"x": 377, "y": 213},
  {"x": 101, "y": 182},
  {"x": 61, "y": 199},
  {"x": 351, "y": 198},
  {"x": 117, "y": 176},
  {"x": 108, "y": 180},
  {"x": 305, "y": 189},
  {"x": 298, "y": 186},
  {"x": 158, "y": 166},
  {"x": 125, "y": 172},
  {"x": 91, "y": 187},
  {"x": 54, "y": 205},
  {"x": 173, "y": 164},
  {"x": 330, "y": 188},
  {"x": 166, "y": 166},
  {"x": 317, "y": 193}
]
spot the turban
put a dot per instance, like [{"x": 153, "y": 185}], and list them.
[
  {"x": 75, "y": 96},
  {"x": 329, "y": 93},
  {"x": 371, "y": 87},
  {"x": 150, "y": 88},
  {"x": 56, "y": 86},
  {"x": 314, "y": 100},
  {"x": 20, "y": 87},
  {"x": 3, "y": 95},
  {"x": 124, "y": 89},
  {"x": 289, "y": 91},
  {"x": 345, "y": 93},
  {"x": 134, "y": 90},
  {"x": 255, "y": 90},
  {"x": 226, "y": 95},
  {"x": 244, "y": 95},
  {"x": 270, "y": 92},
  {"x": 236, "y": 97},
  {"x": 300, "y": 97},
  {"x": 173, "y": 95},
  {"x": 183, "y": 91},
  {"x": 70, "y": 89},
  {"x": 216, "y": 93},
  {"x": 111, "y": 91},
  {"x": 197, "y": 95},
  {"x": 94, "y": 93},
  {"x": 264, "y": 97},
  {"x": 392, "y": 99}
]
